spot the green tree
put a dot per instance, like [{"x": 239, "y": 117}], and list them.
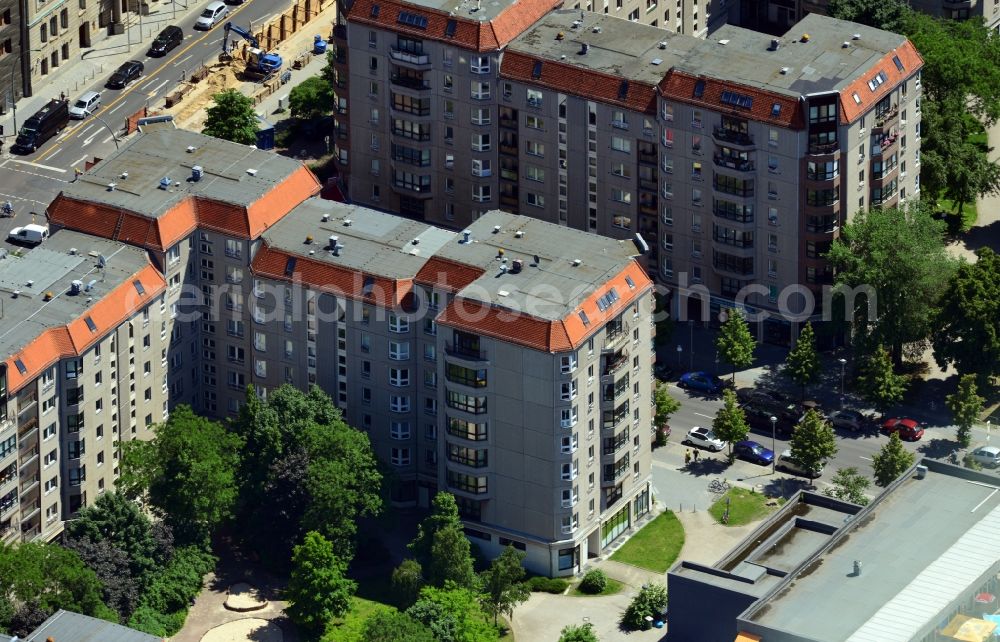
[
  {"x": 899, "y": 256},
  {"x": 730, "y": 423},
  {"x": 407, "y": 580},
  {"x": 890, "y": 15},
  {"x": 392, "y": 626},
  {"x": 879, "y": 383},
  {"x": 453, "y": 614},
  {"x": 444, "y": 514},
  {"x": 113, "y": 567},
  {"x": 891, "y": 461},
  {"x": 813, "y": 442},
  {"x": 664, "y": 406},
  {"x": 188, "y": 470},
  {"x": 850, "y": 486},
  {"x": 578, "y": 633},
  {"x": 650, "y": 602},
  {"x": 317, "y": 589},
  {"x": 451, "y": 559},
  {"x": 735, "y": 343},
  {"x": 967, "y": 328},
  {"x": 503, "y": 585},
  {"x": 966, "y": 406},
  {"x": 52, "y": 578},
  {"x": 802, "y": 364},
  {"x": 232, "y": 118},
  {"x": 311, "y": 98},
  {"x": 115, "y": 519}
]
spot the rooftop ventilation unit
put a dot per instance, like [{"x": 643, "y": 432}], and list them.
[
  {"x": 662, "y": 44},
  {"x": 191, "y": 148},
  {"x": 724, "y": 42},
  {"x": 251, "y": 171},
  {"x": 196, "y": 173},
  {"x": 577, "y": 262},
  {"x": 124, "y": 176},
  {"x": 326, "y": 217},
  {"x": 503, "y": 268},
  {"x": 312, "y": 252},
  {"x": 518, "y": 234},
  {"x": 496, "y": 229},
  {"x": 805, "y": 37},
  {"x": 775, "y": 44},
  {"x": 503, "y": 293},
  {"x": 112, "y": 186},
  {"x": 347, "y": 222},
  {"x": 845, "y": 44},
  {"x": 90, "y": 285},
  {"x": 856, "y": 36},
  {"x": 30, "y": 282},
  {"x": 415, "y": 241},
  {"x": 336, "y": 249},
  {"x": 165, "y": 182},
  {"x": 516, "y": 265},
  {"x": 596, "y": 29},
  {"x": 75, "y": 287},
  {"x": 333, "y": 241},
  {"x": 72, "y": 251},
  {"x": 584, "y": 48},
  {"x": 467, "y": 236},
  {"x": 784, "y": 70}
]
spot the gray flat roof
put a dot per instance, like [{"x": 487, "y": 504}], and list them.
[
  {"x": 822, "y": 64},
  {"x": 66, "y": 626},
  {"x": 549, "y": 288},
  {"x": 155, "y": 155},
  {"x": 52, "y": 268},
  {"x": 382, "y": 244},
  {"x": 481, "y": 10},
  {"x": 919, "y": 541},
  {"x": 616, "y": 46}
]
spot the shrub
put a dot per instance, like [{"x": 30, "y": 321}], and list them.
[
  {"x": 163, "y": 608},
  {"x": 650, "y": 602},
  {"x": 552, "y": 585},
  {"x": 594, "y": 582}
]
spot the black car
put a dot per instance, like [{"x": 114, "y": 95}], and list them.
[
  {"x": 167, "y": 40},
  {"x": 43, "y": 125},
  {"x": 128, "y": 72}
]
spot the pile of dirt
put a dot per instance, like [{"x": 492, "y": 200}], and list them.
[{"x": 190, "y": 112}]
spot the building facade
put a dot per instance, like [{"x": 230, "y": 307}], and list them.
[{"x": 510, "y": 364}]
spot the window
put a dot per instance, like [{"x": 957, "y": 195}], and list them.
[
  {"x": 621, "y": 196},
  {"x": 534, "y": 98},
  {"x": 567, "y": 363},
  {"x": 467, "y": 403},
  {"x": 620, "y": 144},
  {"x": 481, "y": 193},
  {"x": 74, "y": 368},
  {"x": 480, "y": 90},
  {"x": 481, "y": 116},
  {"x": 398, "y": 324},
  {"x": 481, "y": 142},
  {"x": 537, "y": 200},
  {"x": 399, "y": 377},
  {"x": 772, "y": 137},
  {"x": 480, "y": 64},
  {"x": 534, "y": 122},
  {"x": 233, "y": 248},
  {"x": 399, "y": 430},
  {"x": 621, "y": 169},
  {"x": 568, "y": 417},
  {"x": 569, "y": 472},
  {"x": 481, "y": 167},
  {"x": 472, "y": 377},
  {"x": 400, "y": 456},
  {"x": 534, "y": 173},
  {"x": 534, "y": 148},
  {"x": 568, "y": 390},
  {"x": 399, "y": 403},
  {"x": 399, "y": 350}
]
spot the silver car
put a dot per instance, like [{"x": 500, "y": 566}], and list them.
[
  {"x": 791, "y": 465},
  {"x": 988, "y": 456},
  {"x": 85, "y": 105},
  {"x": 212, "y": 15},
  {"x": 704, "y": 438},
  {"x": 849, "y": 419}
]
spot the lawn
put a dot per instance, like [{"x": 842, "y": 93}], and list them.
[
  {"x": 350, "y": 627},
  {"x": 656, "y": 546},
  {"x": 745, "y": 506},
  {"x": 613, "y": 586},
  {"x": 969, "y": 213}
]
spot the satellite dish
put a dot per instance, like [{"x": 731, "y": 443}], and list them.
[{"x": 102, "y": 262}]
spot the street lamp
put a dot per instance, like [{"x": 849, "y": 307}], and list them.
[
  {"x": 843, "y": 364},
  {"x": 774, "y": 455},
  {"x": 680, "y": 350},
  {"x": 691, "y": 344}
]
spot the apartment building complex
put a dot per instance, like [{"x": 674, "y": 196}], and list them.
[
  {"x": 775, "y": 16},
  {"x": 725, "y": 155},
  {"x": 509, "y": 364},
  {"x": 85, "y": 346},
  {"x": 10, "y": 53}
]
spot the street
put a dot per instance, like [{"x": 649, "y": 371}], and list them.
[{"x": 31, "y": 181}]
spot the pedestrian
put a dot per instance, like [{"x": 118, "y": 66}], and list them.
[
  {"x": 696, "y": 453},
  {"x": 687, "y": 457}
]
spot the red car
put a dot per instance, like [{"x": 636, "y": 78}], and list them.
[{"x": 908, "y": 429}]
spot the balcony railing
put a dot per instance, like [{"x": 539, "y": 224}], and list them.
[
  {"x": 409, "y": 57},
  {"x": 614, "y": 472},
  {"x": 409, "y": 82},
  {"x": 615, "y": 338},
  {"x": 881, "y": 120},
  {"x": 733, "y": 241},
  {"x": 743, "y": 192},
  {"x": 732, "y": 136},
  {"x": 823, "y": 148},
  {"x": 738, "y": 164},
  {"x": 729, "y": 215},
  {"x": 465, "y": 352}
]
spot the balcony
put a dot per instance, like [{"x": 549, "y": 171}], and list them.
[
  {"x": 733, "y": 241},
  {"x": 614, "y": 472},
  {"x": 569, "y": 529},
  {"x": 415, "y": 60},
  {"x": 736, "y": 265},
  {"x": 886, "y": 119},
  {"x": 414, "y": 190},
  {"x": 885, "y": 173},
  {"x": 615, "y": 362},
  {"x": 508, "y": 123},
  {"x": 723, "y": 135},
  {"x": 648, "y": 185},
  {"x": 30, "y": 511},
  {"x": 7, "y": 505},
  {"x": 466, "y": 353},
  {"x": 615, "y": 338},
  {"x": 820, "y": 149},
  {"x": 648, "y": 158},
  {"x": 340, "y": 32},
  {"x": 409, "y": 82},
  {"x": 509, "y": 200},
  {"x": 571, "y": 502},
  {"x": 507, "y": 147},
  {"x": 738, "y": 215},
  {"x": 887, "y": 145},
  {"x": 737, "y": 164},
  {"x": 885, "y": 197},
  {"x": 746, "y": 191}
]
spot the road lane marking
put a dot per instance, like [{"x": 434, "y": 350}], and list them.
[
  {"x": 115, "y": 109},
  {"x": 108, "y": 139},
  {"x": 152, "y": 92},
  {"x": 865, "y": 458},
  {"x": 125, "y": 93},
  {"x": 84, "y": 132},
  {"x": 705, "y": 416},
  {"x": 45, "y": 176},
  {"x": 77, "y": 162},
  {"x": 15, "y": 197},
  {"x": 187, "y": 57},
  {"x": 56, "y": 152},
  {"x": 39, "y": 165}
]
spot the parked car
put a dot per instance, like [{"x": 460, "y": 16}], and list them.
[
  {"x": 849, "y": 419},
  {"x": 770, "y": 400},
  {"x": 85, "y": 105},
  {"x": 213, "y": 14},
  {"x": 30, "y": 234},
  {"x": 129, "y": 71},
  {"x": 753, "y": 452},
  {"x": 43, "y": 125},
  {"x": 908, "y": 429},
  {"x": 167, "y": 39},
  {"x": 760, "y": 422},
  {"x": 988, "y": 456},
  {"x": 790, "y": 464},
  {"x": 704, "y": 438},
  {"x": 702, "y": 382}
]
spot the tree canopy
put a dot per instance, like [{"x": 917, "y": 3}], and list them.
[
  {"x": 879, "y": 382},
  {"x": 503, "y": 585},
  {"x": 967, "y": 327},
  {"x": 802, "y": 363},
  {"x": 231, "y": 117},
  {"x": 890, "y": 15},
  {"x": 900, "y": 254},
  {"x": 891, "y": 461},
  {"x": 735, "y": 343},
  {"x": 386, "y": 625},
  {"x": 966, "y": 406},
  {"x": 453, "y": 614},
  {"x": 849, "y": 485},
  {"x": 730, "y": 423},
  {"x": 310, "y": 98},
  {"x": 317, "y": 589},
  {"x": 188, "y": 470},
  {"x": 116, "y": 519},
  {"x": 813, "y": 442}
]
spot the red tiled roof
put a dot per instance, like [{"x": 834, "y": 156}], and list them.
[
  {"x": 679, "y": 86},
  {"x": 191, "y": 212},
  {"x": 447, "y": 275},
  {"x": 578, "y": 81},
  {"x": 470, "y": 34},
  {"x": 74, "y": 338},
  {"x": 547, "y": 336},
  {"x": 850, "y": 110}
]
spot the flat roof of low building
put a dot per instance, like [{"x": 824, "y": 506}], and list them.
[
  {"x": 920, "y": 546},
  {"x": 615, "y": 46},
  {"x": 66, "y": 626},
  {"x": 52, "y": 267}
]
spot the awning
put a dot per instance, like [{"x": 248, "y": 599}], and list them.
[{"x": 969, "y": 629}]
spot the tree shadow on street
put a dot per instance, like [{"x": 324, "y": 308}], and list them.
[
  {"x": 786, "y": 486},
  {"x": 707, "y": 467},
  {"x": 938, "y": 448}
]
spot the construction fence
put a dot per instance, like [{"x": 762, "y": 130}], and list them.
[{"x": 288, "y": 23}]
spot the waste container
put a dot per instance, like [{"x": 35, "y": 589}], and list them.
[{"x": 319, "y": 45}]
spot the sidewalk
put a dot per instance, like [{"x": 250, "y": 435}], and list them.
[{"x": 98, "y": 62}]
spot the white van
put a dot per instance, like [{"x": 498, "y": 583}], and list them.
[{"x": 29, "y": 234}]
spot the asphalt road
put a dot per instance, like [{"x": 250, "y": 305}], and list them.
[{"x": 31, "y": 181}]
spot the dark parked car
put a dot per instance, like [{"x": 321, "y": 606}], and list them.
[
  {"x": 167, "y": 40},
  {"x": 753, "y": 452},
  {"x": 702, "y": 382},
  {"x": 760, "y": 422},
  {"x": 43, "y": 125},
  {"x": 127, "y": 73}
]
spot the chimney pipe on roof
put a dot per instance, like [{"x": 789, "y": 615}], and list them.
[
  {"x": 196, "y": 173},
  {"x": 584, "y": 48},
  {"x": 333, "y": 241},
  {"x": 467, "y": 236}
]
